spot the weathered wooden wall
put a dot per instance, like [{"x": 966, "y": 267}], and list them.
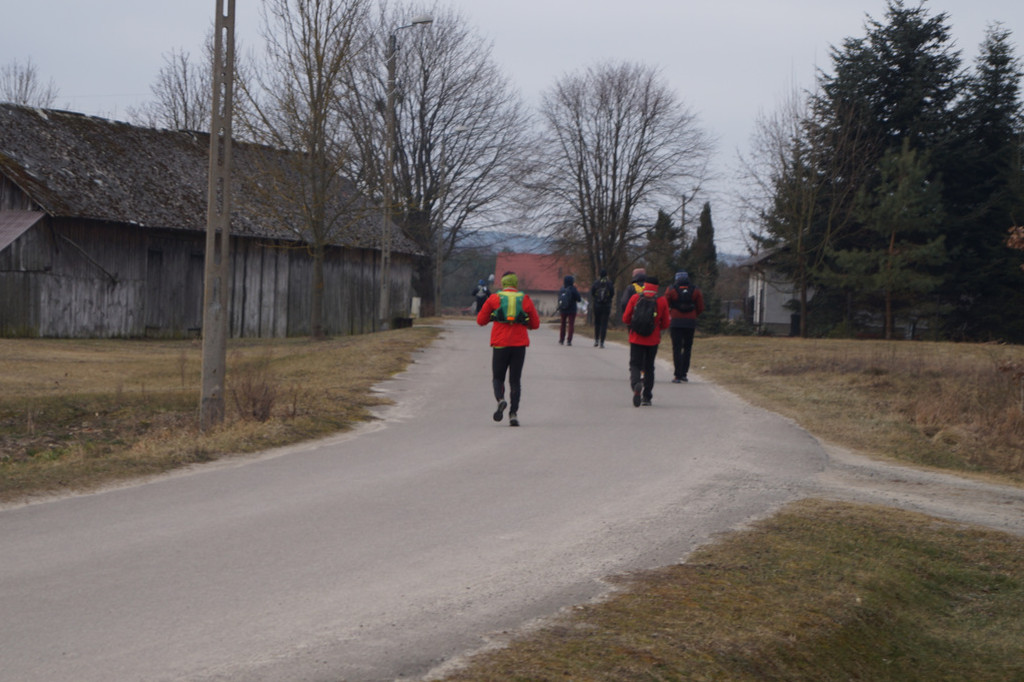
[{"x": 74, "y": 279}]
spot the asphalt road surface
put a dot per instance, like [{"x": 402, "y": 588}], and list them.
[{"x": 395, "y": 550}]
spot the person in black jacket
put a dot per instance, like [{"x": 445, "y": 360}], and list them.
[
  {"x": 602, "y": 294},
  {"x": 568, "y": 297}
]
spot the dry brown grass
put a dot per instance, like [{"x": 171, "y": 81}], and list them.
[
  {"x": 822, "y": 591},
  {"x": 78, "y": 414},
  {"x": 940, "y": 404}
]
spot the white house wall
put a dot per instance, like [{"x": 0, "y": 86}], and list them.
[{"x": 771, "y": 292}]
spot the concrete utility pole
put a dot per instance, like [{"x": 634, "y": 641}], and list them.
[
  {"x": 217, "y": 283},
  {"x": 389, "y": 168},
  {"x": 389, "y": 160}
]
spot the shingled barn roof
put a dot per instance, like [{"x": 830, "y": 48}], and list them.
[{"x": 78, "y": 166}]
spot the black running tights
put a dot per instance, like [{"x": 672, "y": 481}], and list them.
[{"x": 509, "y": 360}]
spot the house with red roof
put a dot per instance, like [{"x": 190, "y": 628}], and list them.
[{"x": 540, "y": 276}]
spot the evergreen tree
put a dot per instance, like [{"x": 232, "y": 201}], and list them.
[
  {"x": 662, "y": 246},
  {"x": 703, "y": 268},
  {"x": 985, "y": 196},
  {"x": 703, "y": 258},
  {"x": 902, "y": 78},
  {"x": 895, "y": 86},
  {"x": 904, "y": 214}
]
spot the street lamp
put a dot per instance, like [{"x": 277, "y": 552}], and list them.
[{"x": 389, "y": 169}]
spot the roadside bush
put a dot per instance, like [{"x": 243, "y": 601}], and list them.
[{"x": 254, "y": 388}]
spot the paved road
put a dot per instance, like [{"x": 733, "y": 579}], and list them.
[{"x": 385, "y": 553}]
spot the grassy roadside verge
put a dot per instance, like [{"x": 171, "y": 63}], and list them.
[
  {"x": 952, "y": 406},
  {"x": 821, "y": 591},
  {"x": 79, "y": 414}
]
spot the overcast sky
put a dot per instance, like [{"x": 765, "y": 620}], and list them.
[{"x": 728, "y": 60}]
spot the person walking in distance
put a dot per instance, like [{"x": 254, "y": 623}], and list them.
[
  {"x": 511, "y": 315},
  {"x": 646, "y": 315},
  {"x": 685, "y": 302},
  {"x": 480, "y": 294},
  {"x": 568, "y": 298},
  {"x": 602, "y": 293}
]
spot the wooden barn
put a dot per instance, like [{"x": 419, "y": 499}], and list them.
[{"x": 103, "y": 234}]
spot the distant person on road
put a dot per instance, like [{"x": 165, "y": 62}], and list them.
[
  {"x": 513, "y": 315},
  {"x": 602, "y": 293},
  {"x": 568, "y": 299},
  {"x": 480, "y": 294},
  {"x": 646, "y": 315},
  {"x": 685, "y": 302},
  {"x": 636, "y": 285}
]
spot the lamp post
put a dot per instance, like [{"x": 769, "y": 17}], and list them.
[{"x": 389, "y": 145}]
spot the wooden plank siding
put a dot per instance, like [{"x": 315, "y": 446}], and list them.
[{"x": 73, "y": 279}]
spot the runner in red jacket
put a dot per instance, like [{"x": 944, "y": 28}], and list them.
[{"x": 511, "y": 314}]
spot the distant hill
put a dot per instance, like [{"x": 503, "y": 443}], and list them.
[
  {"x": 496, "y": 242},
  {"x": 732, "y": 259}
]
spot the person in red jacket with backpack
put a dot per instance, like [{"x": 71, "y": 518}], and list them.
[
  {"x": 646, "y": 315},
  {"x": 513, "y": 315}
]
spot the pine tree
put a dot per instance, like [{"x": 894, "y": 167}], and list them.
[
  {"x": 985, "y": 197},
  {"x": 904, "y": 214},
  {"x": 663, "y": 242},
  {"x": 703, "y": 258},
  {"x": 894, "y": 87}
]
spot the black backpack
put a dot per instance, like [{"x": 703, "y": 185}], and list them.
[
  {"x": 684, "y": 299},
  {"x": 603, "y": 291},
  {"x": 565, "y": 299},
  {"x": 645, "y": 315}
]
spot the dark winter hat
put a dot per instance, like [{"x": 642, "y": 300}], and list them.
[
  {"x": 603, "y": 273},
  {"x": 682, "y": 276},
  {"x": 569, "y": 279},
  {"x": 651, "y": 279}
]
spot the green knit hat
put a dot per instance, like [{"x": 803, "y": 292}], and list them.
[{"x": 510, "y": 280}]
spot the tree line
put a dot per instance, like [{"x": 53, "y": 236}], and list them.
[{"x": 889, "y": 194}]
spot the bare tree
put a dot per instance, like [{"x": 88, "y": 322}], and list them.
[
  {"x": 20, "y": 84},
  {"x": 459, "y": 130},
  {"x": 182, "y": 92},
  {"x": 616, "y": 144},
  {"x": 806, "y": 177},
  {"x": 294, "y": 103}
]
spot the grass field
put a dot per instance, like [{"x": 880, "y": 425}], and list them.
[
  {"x": 954, "y": 406},
  {"x": 79, "y": 414},
  {"x": 821, "y": 591}
]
